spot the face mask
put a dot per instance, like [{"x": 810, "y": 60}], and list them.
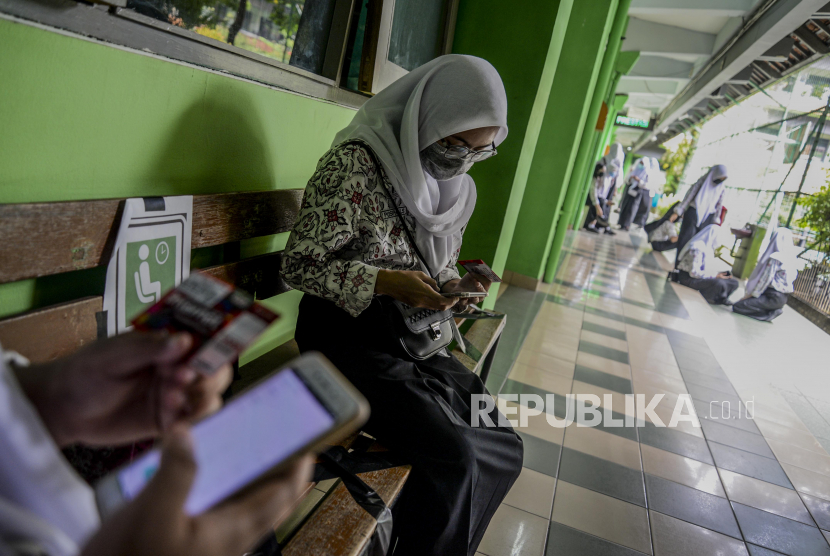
[{"x": 439, "y": 166}]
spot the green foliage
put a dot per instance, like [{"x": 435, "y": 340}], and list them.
[
  {"x": 286, "y": 16},
  {"x": 673, "y": 162},
  {"x": 817, "y": 217}
]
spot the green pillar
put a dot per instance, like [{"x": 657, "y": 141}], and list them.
[
  {"x": 624, "y": 62},
  {"x": 619, "y": 22},
  {"x": 561, "y": 127},
  {"x": 597, "y": 146},
  {"x": 501, "y": 180}
]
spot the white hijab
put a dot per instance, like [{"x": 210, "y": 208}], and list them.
[
  {"x": 709, "y": 193},
  {"x": 640, "y": 171},
  {"x": 782, "y": 249},
  {"x": 448, "y": 95},
  {"x": 616, "y": 153},
  {"x": 656, "y": 178},
  {"x": 612, "y": 170},
  {"x": 703, "y": 242}
]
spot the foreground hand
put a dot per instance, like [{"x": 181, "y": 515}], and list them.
[
  {"x": 412, "y": 287},
  {"x": 673, "y": 217},
  {"x": 723, "y": 275},
  {"x": 599, "y": 210},
  {"x": 155, "y": 523},
  {"x": 122, "y": 389}
]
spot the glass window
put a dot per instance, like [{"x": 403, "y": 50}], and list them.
[
  {"x": 390, "y": 38},
  {"x": 295, "y": 32},
  {"x": 417, "y": 32}
]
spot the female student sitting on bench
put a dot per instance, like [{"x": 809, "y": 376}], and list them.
[
  {"x": 385, "y": 211},
  {"x": 772, "y": 279},
  {"x": 695, "y": 268}
]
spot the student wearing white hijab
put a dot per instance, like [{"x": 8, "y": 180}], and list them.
[
  {"x": 649, "y": 189},
  {"x": 702, "y": 204},
  {"x": 403, "y": 162},
  {"x": 695, "y": 268},
  {"x": 115, "y": 392},
  {"x": 771, "y": 280},
  {"x": 603, "y": 189},
  {"x": 635, "y": 189}
]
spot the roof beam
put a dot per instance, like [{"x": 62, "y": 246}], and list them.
[
  {"x": 637, "y": 85},
  {"x": 811, "y": 40},
  {"x": 761, "y": 34},
  {"x": 729, "y": 8},
  {"x": 655, "y": 38},
  {"x": 657, "y": 67}
]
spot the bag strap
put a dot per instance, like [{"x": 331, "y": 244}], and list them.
[
  {"x": 397, "y": 210},
  {"x": 336, "y": 460}
]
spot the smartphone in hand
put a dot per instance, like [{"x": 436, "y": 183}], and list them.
[
  {"x": 477, "y": 266},
  {"x": 465, "y": 295},
  {"x": 296, "y": 410}
]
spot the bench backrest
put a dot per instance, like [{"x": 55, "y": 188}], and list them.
[{"x": 44, "y": 239}]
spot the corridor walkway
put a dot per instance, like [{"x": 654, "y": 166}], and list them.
[{"x": 731, "y": 483}]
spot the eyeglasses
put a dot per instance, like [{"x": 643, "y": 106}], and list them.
[{"x": 459, "y": 152}]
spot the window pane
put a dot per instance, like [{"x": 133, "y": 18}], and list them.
[
  {"x": 417, "y": 32},
  {"x": 290, "y": 31}
]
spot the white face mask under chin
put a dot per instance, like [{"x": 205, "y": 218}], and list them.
[{"x": 439, "y": 166}]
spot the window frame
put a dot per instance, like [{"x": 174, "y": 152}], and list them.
[
  {"x": 122, "y": 27},
  {"x": 387, "y": 72}
]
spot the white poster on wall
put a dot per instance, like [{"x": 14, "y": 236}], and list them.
[{"x": 151, "y": 255}]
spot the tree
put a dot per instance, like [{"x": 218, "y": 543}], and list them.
[
  {"x": 675, "y": 162},
  {"x": 184, "y": 13},
  {"x": 241, "y": 8},
  {"x": 817, "y": 218}
]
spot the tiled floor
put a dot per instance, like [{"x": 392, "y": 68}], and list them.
[{"x": 747, "y": 474}]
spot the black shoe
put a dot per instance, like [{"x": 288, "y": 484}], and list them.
[
  {"x": 592, "y": 230},
  {"x": 610, "y": 232}
]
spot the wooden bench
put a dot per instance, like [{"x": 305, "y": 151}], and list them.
[{"x": 48, "y": 239}]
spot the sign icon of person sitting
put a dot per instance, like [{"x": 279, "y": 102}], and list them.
[{"x": 147, "y": 290}]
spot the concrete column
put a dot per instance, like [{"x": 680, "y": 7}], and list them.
[
  {"x": 574, "y": 194},
  {"x": 561, "y": 128},
  {"x": 491, "y": 29}
]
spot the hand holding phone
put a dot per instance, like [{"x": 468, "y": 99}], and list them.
[
  {"x": 155, "y": 523},
  {"x": 260, "y": 431}
]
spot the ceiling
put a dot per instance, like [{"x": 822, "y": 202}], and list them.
[
  {"x": 694, "y": 51},
  {"x": 675, "y": 39}
]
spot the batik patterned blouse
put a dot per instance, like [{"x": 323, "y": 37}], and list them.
[
  {"x": 694, "y": 262},
  {"x": 349, "y": 228},
  {"x": 663, "y": 232}
]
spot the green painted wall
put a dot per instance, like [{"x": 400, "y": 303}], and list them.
[
  {"x": 574, "y": 198},
  {"x": 562, "y": 127},
  {"x": 81, "y": 120},
  {"x": 516, "y": 38}
]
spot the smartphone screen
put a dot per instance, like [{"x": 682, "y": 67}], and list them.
[{"x": 253, "y": 433}]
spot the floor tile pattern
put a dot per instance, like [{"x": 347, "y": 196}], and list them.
[{"x": 742, "y": 476}]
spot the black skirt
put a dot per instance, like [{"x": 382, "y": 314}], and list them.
[
  {"x": 714, "y": 290},
  {"x": 765, "y": 307},
  {"x": 422, "y": 410}
]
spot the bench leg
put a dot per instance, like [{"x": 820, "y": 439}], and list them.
[{"x": 488, "y": 361}]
